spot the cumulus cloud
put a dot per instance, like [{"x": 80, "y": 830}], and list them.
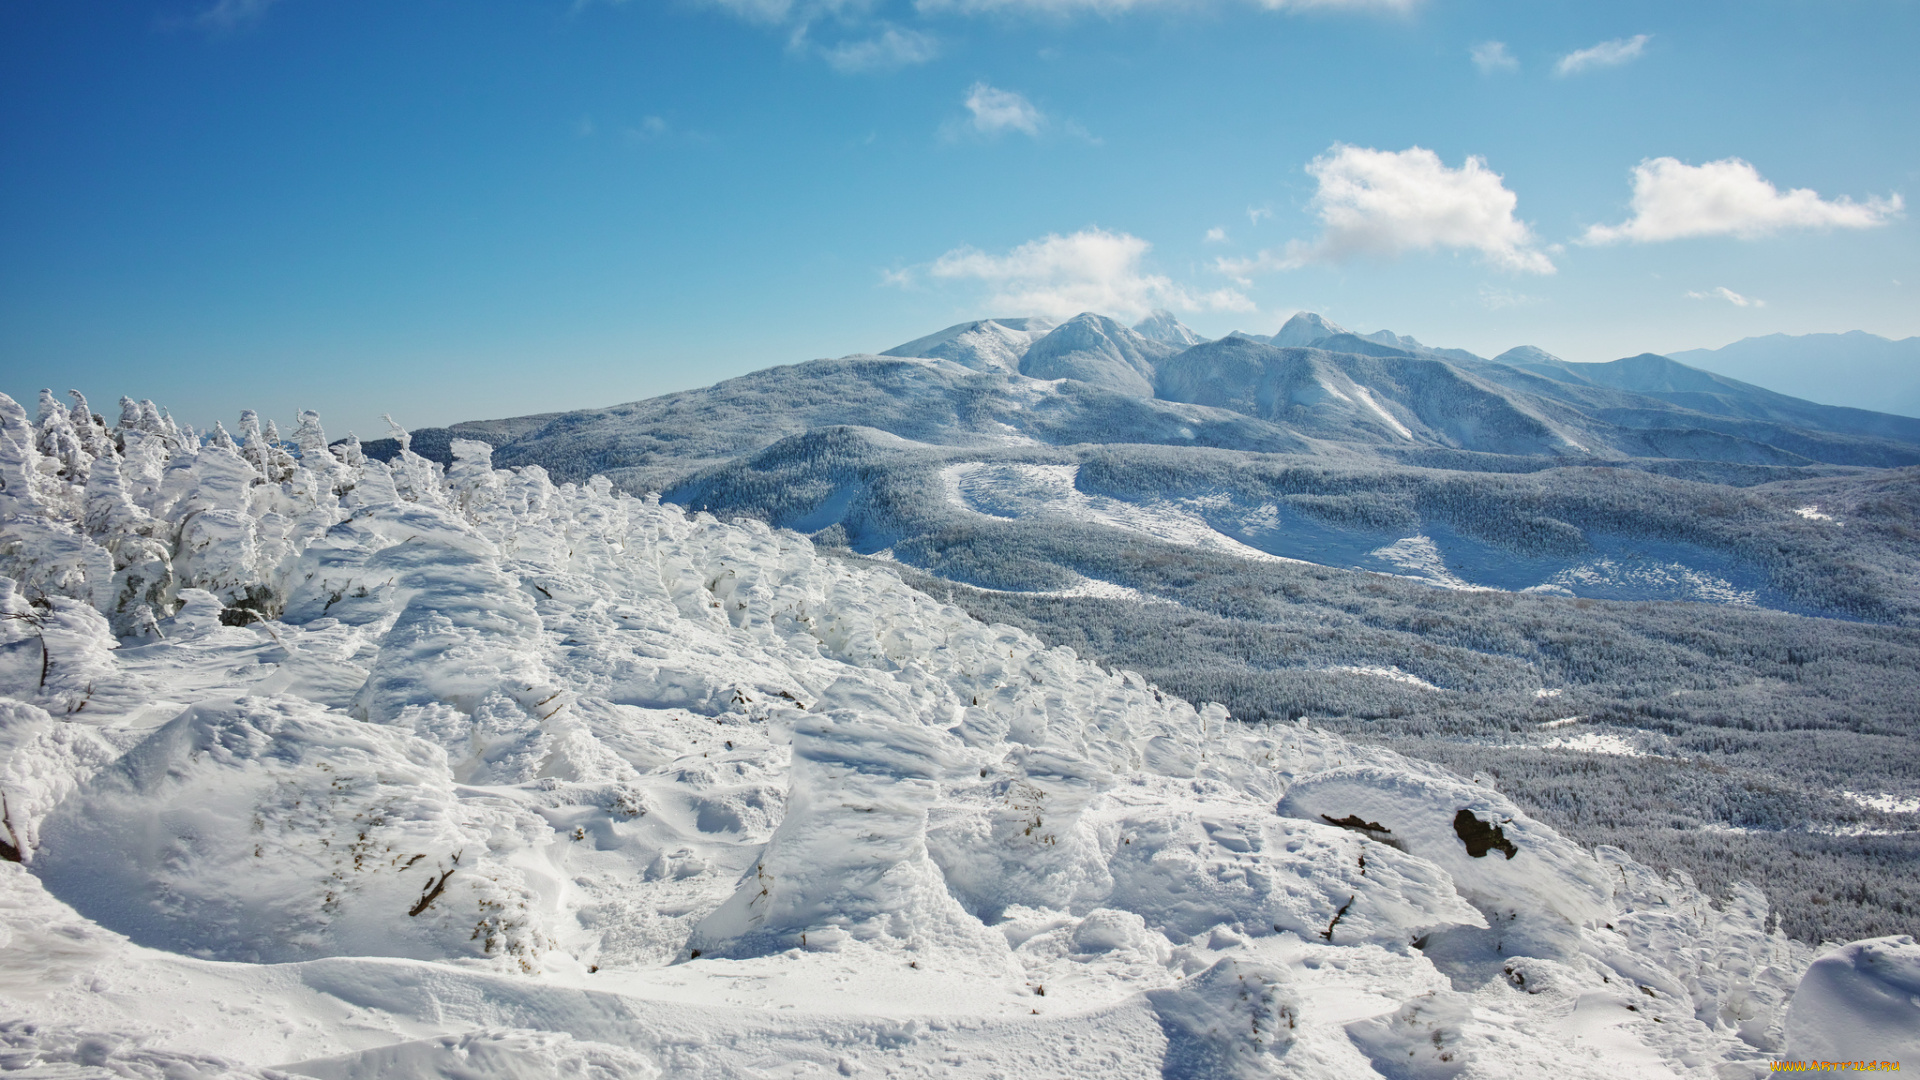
[
  {"x": 1384, "y": 203},
  {"x": 1604, "y": 55},
  {"x": 889, "y": 50},
  {"x": 1090, "y": 270},
  {"x": 1721, "y": 292},
  {"x": 1673, "y": 200},
  {"x": 1492, "y": 56},
  {"x": 994, "y": 111},
  {"x": 1216, "y": 235}
]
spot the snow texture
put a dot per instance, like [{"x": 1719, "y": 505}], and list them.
[
  {"x": 314, "y": 765},
  {"x": 1859, "y": 1002}
]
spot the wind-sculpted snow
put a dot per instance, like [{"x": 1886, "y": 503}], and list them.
[{"x": 397, "y": 770}]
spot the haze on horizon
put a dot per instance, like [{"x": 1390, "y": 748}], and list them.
[{"x": 461, "y": 211}]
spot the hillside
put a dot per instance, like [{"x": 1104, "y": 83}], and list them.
[
  {"x": 401, "y": 770},
  {"x": 1398, "y": 544}
]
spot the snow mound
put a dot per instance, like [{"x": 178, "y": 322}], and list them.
[
  {"x": 1235, "y": 1020},
  {"x": 1860, "y": 1002},
  {"x": 495, "y": 1053}
]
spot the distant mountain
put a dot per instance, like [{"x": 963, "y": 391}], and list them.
[
  {"x": 1733, "y": 404},
  {"x": 1161, "y": 326},
  {"x": 1304, "y": 329},
  {"x": 1092, "y": 380},
  {"x": 1095, "y": 349},
  {"x": 984, "y": 345},
  {"x": 1856, "y": 369}
]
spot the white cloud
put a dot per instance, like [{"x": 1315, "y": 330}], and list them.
[
  {"x": 648, "y": 129},
  {"x": 1090, "y": 270},
  {"x": 233, "y": 14},
  {"x": 995, "y": 111},
  {"x": 890, "y": 50},
  {"x": 1604, "y": 55},
  {"x": 1115, "y": 7},
  {"x": 1494, "y": 299},
  {"x": 1673, "y": 200},
  {"x": 1721, "y": 292},
  {"x": 1216, "y": 236},
  {"x": 1492, "y": 56},
  {"x": 1256, "y": 213},
  {"x": 1383, "y": 202}
]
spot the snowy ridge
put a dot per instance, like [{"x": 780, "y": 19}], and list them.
[{"x": 315, "y": 763}]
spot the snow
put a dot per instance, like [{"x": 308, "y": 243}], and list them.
[
  {"x": 1859, "y": 1002},
  {"x": 1391, "y": 673},
  {"x": 1592, "y": 742},
  {"x": 1367, "y": 399},
  {"x": 396, "y": 771},
  {"x": 1886, "y": 803},
  {"x": 1017, "y": 490}
]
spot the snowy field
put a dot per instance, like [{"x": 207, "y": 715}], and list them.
[
  {"x": 1614, "y": 568},
  {"x": 341, "y": 769}
]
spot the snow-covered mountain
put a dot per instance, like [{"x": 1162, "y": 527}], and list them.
[
  {"x": 347, "y": 768},
  {"x": 1163, "y": 327},
  {"x": 984, "y": 345},
  {"x": 1855, "y": 369},
  {"x": 1096, "y": 350}
]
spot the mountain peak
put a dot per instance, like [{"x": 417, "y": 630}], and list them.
[
  {"x": 1163, "y": 327},
  {"x": 1095, "y": 349},
  {"x": 1527, "y": 354},
  {"x": 1305, "y": 328}
]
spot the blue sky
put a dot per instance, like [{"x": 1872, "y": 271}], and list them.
[{"x": 494, "y": 207}]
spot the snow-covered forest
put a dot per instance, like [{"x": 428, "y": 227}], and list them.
[{"x": 318, "y": 763}]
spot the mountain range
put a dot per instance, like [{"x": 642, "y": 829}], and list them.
[{"x": 1856, "y": 368}]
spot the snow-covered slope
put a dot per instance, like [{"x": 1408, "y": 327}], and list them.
[
  {"x": 1163, "y": 327},
  {"x": 1094, "y": 349},
  {"x": 985, "y": 345},
  {"x": 359, "y": 770}
]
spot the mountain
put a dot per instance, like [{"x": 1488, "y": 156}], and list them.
[
  {"x": 1098, "y": 351},
  {"x": 1338, "y": 392},
  {"x": 389, "y": 769},
  {"x": 1855, "y": 369},
  {"x": 1303, "y": 329},
  {"x": 984, "y": 345},
  {"x": 1162, "y": 327},
  {"x": 1701, "y": 392}
]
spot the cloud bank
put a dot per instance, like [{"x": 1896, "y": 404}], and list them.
[
  {"x": 1385, "y": 203},
  {"x": 1674, "y": 201},
  {"x": 1090, "y": 270}
]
